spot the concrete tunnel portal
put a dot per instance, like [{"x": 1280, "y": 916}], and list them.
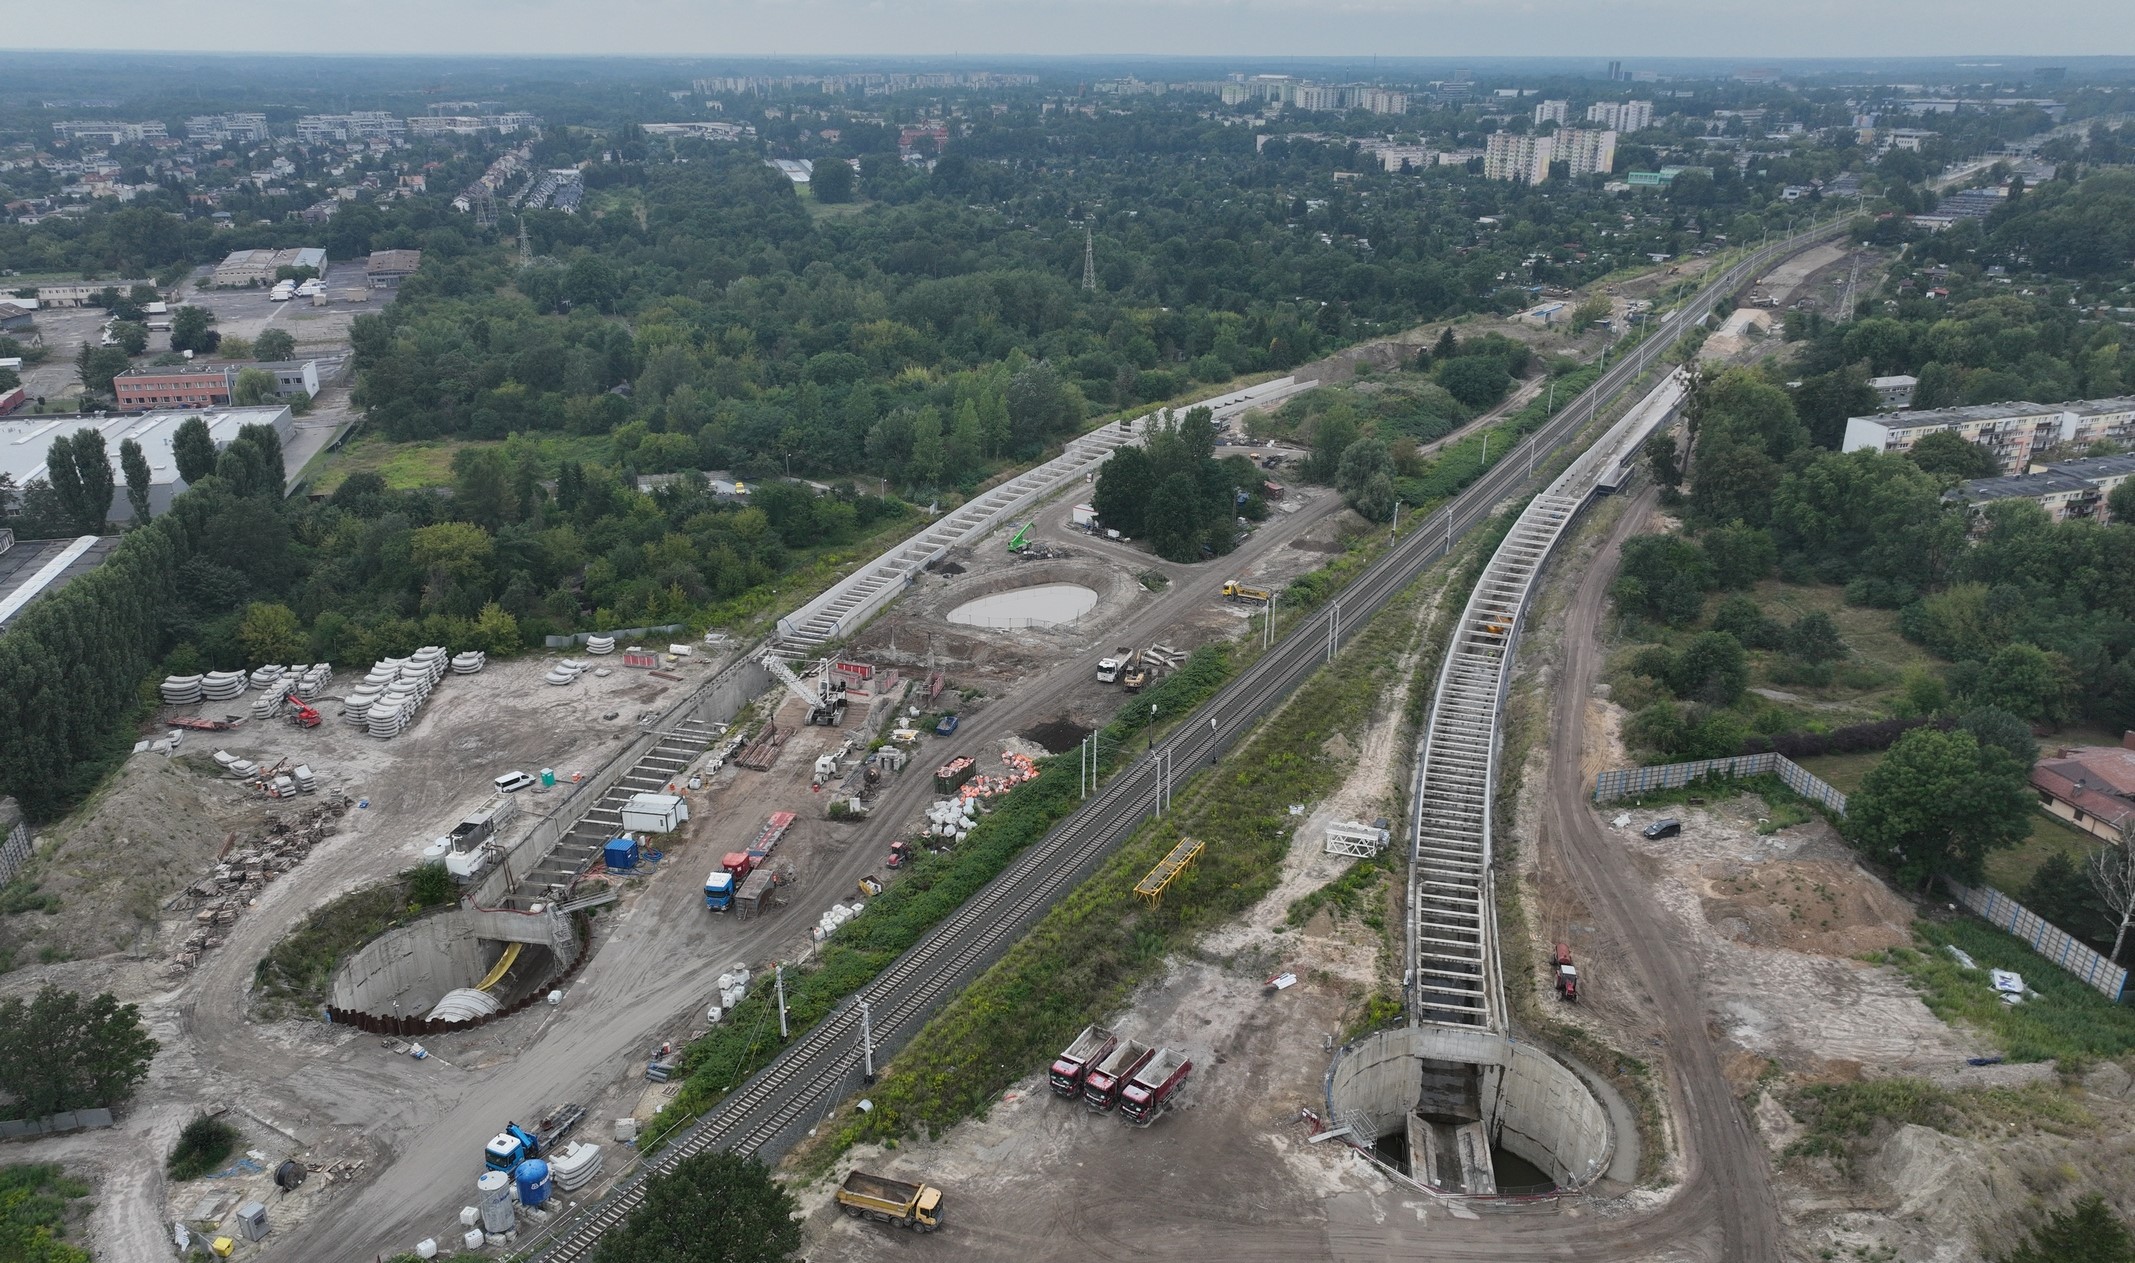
[{"x": 460, "y": 964}]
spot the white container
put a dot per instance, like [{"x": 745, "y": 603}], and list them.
[
  {"x": 473, "y": 1240},
  {"x": 470, "y": 1216},
  {"x": 426, "y": 1248}
]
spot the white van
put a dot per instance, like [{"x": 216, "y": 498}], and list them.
[{"x": 512, "y": 782}]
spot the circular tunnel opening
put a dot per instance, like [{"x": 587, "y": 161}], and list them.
[
  {"x": 461, "y": 966},
  {"x": 1469, "y": 1112}
]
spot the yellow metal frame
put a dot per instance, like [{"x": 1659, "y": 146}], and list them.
[{"x": 1168, "y": 869}]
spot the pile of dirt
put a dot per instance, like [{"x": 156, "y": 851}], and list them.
[
  {"x": 1057, "y": 735},
  {"x": 1817, "y": 906},
  {"x": 103, "y": 873}
]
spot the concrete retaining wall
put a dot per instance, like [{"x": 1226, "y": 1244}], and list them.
[
  {"x": 1534, "y": 1105},
  {"x": 414, "y": 965}
]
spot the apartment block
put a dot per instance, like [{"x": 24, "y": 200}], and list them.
[
  {"x": 1507, "y": 156},
  {"x": 2016, "y": 433},
  {"x": 216, "y": 129},
  {"x": 319, "y": 129},
  {"x": 104, "y": 132},
  {"x": 1559, "y": 112},
  {"x": 1621, "y": 116},
  {"x": 1585, "y": 150}
]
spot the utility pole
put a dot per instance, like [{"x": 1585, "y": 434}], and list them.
[
  {"x": 867, "y": 1044},
  {"x": 779, "y": 977},
  {"x": 1267, "y": 625},
  {"x": 1334, "y": 628},
  {"x": 1089, "y": 259},
  {"x": 1393, "y": 531}
]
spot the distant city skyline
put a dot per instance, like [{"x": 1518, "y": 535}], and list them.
[{"x": 1628, "y": 29}]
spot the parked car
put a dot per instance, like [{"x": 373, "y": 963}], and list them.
[
  {"x": 1664, "y": 828},
  {"x": 513, "y": 782}
]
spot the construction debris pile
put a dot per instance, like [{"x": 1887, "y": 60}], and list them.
[
  {"x": 279, "y": 780},
  {"x": 1021, "y": 767},
  {"x": 386, "y": 703},
  {"x": 218, "y": 899}
]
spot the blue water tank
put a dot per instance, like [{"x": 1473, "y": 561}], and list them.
[
  {"x": 620, "y": 854},
  {"x": 534, "y": 1182}
]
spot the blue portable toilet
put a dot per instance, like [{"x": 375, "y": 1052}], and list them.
[
  {"x": 620, "y": 853},
  {"x": 534, "y": 1182}
]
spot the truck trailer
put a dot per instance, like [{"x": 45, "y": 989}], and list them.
[
  {"x": 1073, "y": 1066},
  {"x": 516, "y": 1144},
  {"x": 1100, "y": 1088},
  {"x": 915, "y": 1206},
  {"x": 1148, "y": 1088}
]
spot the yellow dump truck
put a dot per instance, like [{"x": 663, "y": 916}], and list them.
[
  {"x": 1239, "y": 592},
  {"x": 916, "y": 1206}
]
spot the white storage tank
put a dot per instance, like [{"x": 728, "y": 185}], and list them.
[{"x": 493, "y": 1197}]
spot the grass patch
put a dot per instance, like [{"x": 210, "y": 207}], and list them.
[
  {"x": 2011, "y": 870},
  {"x": 935, "y": 887},
  {"x": 1842, "y": 772},
  {"x": 428, "y": 463},
  {"x": 1350, "y": 894},
  {"x": 36, "y": 1201},
  {"x": 2067, "y": 1021},
  {"x": 1084, "y": 958},
  {"x": 295, "y": 976},
  {"x": 1839, "y": 1116},
  {"x": 204, "y": 1145}
]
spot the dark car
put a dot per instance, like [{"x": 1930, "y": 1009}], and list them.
[{"x": 1663, "y": 829}]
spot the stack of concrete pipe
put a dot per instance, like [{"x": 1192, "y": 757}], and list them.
[
  {"x": 222, "y": 686},
  {"x": 181, "y": 690}
]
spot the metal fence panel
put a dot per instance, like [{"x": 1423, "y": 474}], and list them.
[{"x": 1999, "y": 910}]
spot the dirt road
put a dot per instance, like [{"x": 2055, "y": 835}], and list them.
[
  {"x": 655, "y": 963},
  {"x": 1726, "y": 1177}
]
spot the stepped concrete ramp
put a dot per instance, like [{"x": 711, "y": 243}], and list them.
[{"x": 846, "y": 607}]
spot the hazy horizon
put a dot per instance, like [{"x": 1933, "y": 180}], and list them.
[{"x": 1629, "y": 29}]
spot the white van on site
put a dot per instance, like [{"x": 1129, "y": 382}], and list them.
[{"x": 513, "y": 782}]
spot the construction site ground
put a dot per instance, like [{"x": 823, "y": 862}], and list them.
[
  {"x": 1814, "y": 280},
  {"x": 395, "y": 1140}
]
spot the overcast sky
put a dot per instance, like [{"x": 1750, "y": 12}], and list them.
[{"x": 1748, "y": 30}]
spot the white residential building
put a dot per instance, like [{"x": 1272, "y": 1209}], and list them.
[
  {"x": 219, "y": 128},
  {"x": 2016, "y": 433},
  {"x": 1621, "y": 116},
  {"x": 104, "y": 132},
  {"x": 1507, "y": 156},
  {"x": 1559, "y": 112}
]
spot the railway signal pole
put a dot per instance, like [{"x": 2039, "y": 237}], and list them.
[
  {"x": 867, "y": 1044},
  {"x": 778, "y": 976}
]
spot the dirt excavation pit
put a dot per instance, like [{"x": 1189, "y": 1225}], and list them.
[{"x": 1041, "y": 605}]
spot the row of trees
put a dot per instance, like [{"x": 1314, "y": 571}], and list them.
[{"x": 1175, "y": 492}]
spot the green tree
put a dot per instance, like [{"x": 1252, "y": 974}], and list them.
[
  {"x": 273, "y": 345},
  {"x": 78, "y": 466},
  {"x": 1945, "y": 453},
  {"x": 1825, "y": 402},
  {"x": 1938, "y": 804},
  {"x": 832, "y": 181},
  {"x": 271, "y": 633},
  {"x": 60, "y": 1050},
  {"x": 135, "y": 464},
  {"x": 253, "y": 387},
  {"x": 1711, "y": 669},
  {"x": 2003, "y": 731},
  {"x": 714, "y": 1207},
  {"x": 193, "y": 449},
  {"x": 1663, "y": 578},
  {"x": 2061, "y": 892},
  {"x": 95, "y": 366},
  {"x": 2120, "y": 504},
  {"x": 2087, "y": 1232},
  {"x": 1478, "y": 381},
  {"x": 1364, "y": 478},
  {"x": 1740, "y": 555},
  {"x": 190, "y": 330},
  {"x": 1814, "y": 639},
  {"x": 131, "y": 337},
  {"x": 2023, "y": 679},
  {"x": 481, "y": 485},
  {"x": 1661, "y": 458},
  {"x": 1124, "y": 486},
  {"x": 497, "y": 632}
]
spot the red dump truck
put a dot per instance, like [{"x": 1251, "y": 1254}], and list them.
[
  {"x": 1567, "y": 974},
  {"x": 1073, "y": 1066},
  {"x": 1143, "y": 1098},
  {"x": 1100, "y": 1088}
]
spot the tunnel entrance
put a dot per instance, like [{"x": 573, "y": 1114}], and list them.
[
  {"x": 459, "y": 967},
  {"x": 1468, "y": 1112}
]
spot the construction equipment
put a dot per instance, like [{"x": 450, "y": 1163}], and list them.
[
  {"x": 1108, "y": 668},
  {"x": 300, "y": 713},
  {"x": 1134, "y": 671},
  {"x": 515, "y": 1144},
  {"x": 826, "y": 705},
  {"x": 1567, "y": 974},
  {"x": 1021, "y": 540},
  {"x": 719, "y": 890},
  {"x": 1148, "y": 1088},
  {"x": 1073, "y": 1066},
  {"x": 1237, "y": 591},
  {"x": 915, "y": 1206},
  {"x": 205, "y": 725},
  {"x": 1100, "y": 1087}
]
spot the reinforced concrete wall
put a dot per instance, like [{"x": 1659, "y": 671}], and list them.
[
  {"x": 412, "y": 966},
  {"x": 1533, "y": 1105}
]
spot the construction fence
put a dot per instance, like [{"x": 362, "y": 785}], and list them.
[
  {"x": 1991, "y": 905},
  {"x": 1630, "y": 782},
  {"x": 15, "y": 844},
  {"x": 2004, "y": 913}
]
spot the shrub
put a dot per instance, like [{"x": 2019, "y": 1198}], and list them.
[{"x": 202, "y": 1147}]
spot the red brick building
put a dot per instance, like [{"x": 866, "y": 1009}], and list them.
[{"x": 140, "y": 389}]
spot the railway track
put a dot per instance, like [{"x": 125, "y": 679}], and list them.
[{"x": 777, "y": 1105}]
